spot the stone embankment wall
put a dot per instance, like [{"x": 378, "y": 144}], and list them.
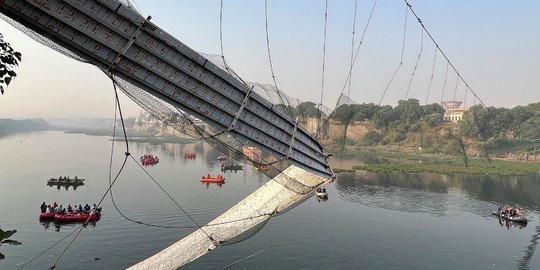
[{"x": 335, "y": 131}]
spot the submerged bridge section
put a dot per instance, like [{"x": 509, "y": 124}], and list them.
[{"x": 117, "y": 39}]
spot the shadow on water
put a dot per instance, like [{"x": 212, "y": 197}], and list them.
[{"x": 4, "y": 240}]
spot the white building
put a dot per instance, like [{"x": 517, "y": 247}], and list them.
[{"x": 453, "y": 112}]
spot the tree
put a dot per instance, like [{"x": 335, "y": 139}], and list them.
[
  {"x": 409, "y": 110},
  {"x": 433, "y": 108},
  {"x": 307, "y": 110},
  {"x": 384, "y": 117},
  {"x": 9, "y": 60},
  {"x": 346, "y": 114}
]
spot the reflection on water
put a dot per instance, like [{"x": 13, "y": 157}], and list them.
[
  {"x": 395, "y": 221},
  {"x": 512, "y": 190},
  {"x": 529, "y": 250},
  {"x": 447, "y": 195},
  {"x": 66, "y": 225},
  {"x": 66, "y": 187}
]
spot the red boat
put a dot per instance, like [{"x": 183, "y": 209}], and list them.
[
  {"x": 190, "y": 155},
  {"x": 217, "y": 179},
  {"x": 46, "y": 215},
  {"x": 76, "y": 217}
]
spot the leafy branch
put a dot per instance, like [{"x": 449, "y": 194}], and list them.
[{"x": 9, "y": 60}]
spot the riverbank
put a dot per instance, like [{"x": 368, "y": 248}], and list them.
[
  {"x": 132, "y": 136},
  {"x": 384, "y": 162}
]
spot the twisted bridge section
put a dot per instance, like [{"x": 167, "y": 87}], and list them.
[{"x": 124, "y": 44}]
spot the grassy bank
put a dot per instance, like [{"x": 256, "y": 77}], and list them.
[
  {"x": 132, "y": 136},
  {"x": 415, "y": 163}
]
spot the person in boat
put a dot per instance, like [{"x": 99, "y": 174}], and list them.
[
  {"x": 43, "y": 207},
  {"x": 48, "y": 209},
  {"x": 520, "y": 212},
  {"x": 87, "y": 208},
  {"x": 69, "y": 208},
  {"x": 208, "y": 176}
]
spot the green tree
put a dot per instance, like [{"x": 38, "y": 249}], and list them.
[
  {"x": 384, "y": 117},
  {"x": 432, "y": 108},
  {"x": 409, "y": 110},
  {"x": 366, "y": 111}
]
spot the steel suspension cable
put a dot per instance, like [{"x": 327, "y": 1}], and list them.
[
  {"x": 400, "y": 61},
  {"x": 323, "y": 64},
  {"x": 270, "y": 61},
  {"x": 445, "y": 80},
  {"x": 352, "y": 46},
  {"x": 416, "y": 65},
  {"x": 455, "y": 88},
  {"x": 443, "y": 54},
  {"x": 108, "y": 189},
  {"x": 350, "y": 70},
  {"x": 432, "y": 73}
]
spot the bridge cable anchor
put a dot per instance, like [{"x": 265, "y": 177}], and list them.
[
  {"x": 128, "y": 44},
  {"x": 293, "y": 136},
  {"x": 237, "y": 115}
]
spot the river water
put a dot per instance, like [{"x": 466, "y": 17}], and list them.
[{"x": 370, "y": 221}]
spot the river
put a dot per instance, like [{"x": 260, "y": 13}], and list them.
[{"x": 370, "y": 221}]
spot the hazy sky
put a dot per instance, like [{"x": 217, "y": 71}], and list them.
[{"x": 493, "y": 43}]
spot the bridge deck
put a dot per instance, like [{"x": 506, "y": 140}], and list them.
[{"x": 118, "y": 39}]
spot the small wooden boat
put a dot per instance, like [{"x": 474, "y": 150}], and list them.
[
  {"x": 66, "y": 181},
  {"x": 46, "y": 215},
  {"x": 231, "y": 167},
  {"x": 321, "y": 193},
  {"x": 75, "y": 217},
  {"x": 521, "y": 219},
  {"x": 218, "y": 179}
]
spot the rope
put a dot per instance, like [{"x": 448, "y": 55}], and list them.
[
  {"x": 416, "y": 65},
  {"x": 432, "y": 72},
  {"x": 49, "y": 248},
  {"x": 245, "y": 258},
  {"x": 400, "y": 61}
]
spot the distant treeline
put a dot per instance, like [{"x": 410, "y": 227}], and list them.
[
  {"x": 411, "y": 124},
  {"x": 8, "y": 126},
  {"x": 501, "y": 129}
]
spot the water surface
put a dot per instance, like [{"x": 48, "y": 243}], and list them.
[{"x": 386, "y": 221}]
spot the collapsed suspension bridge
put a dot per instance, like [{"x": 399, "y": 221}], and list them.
[{"x": 178, "y": 85}]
